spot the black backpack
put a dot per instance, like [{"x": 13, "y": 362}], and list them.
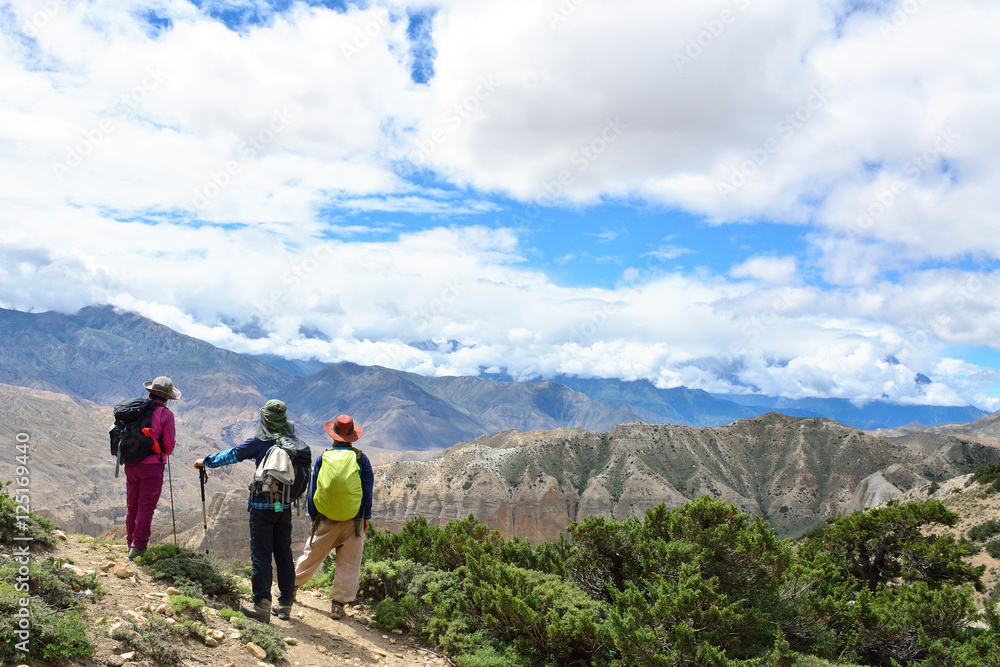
[
  {"x": 301, "y": 458},
  {"x": 128, "y": 443}
]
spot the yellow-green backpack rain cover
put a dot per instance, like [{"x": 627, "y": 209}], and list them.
[{"x": 338, "y": 485}]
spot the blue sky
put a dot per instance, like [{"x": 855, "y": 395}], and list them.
[{"x": 794, "y": 197}]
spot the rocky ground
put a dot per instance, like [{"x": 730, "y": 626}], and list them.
[{"x": 312, "y": 637}]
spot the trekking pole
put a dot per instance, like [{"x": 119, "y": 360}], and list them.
[
  {"x": 173, "y": 519},
  {"x": 203, "y": 475}
]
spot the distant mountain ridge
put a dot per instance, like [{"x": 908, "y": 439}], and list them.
[{"x": 103, "y": 355}]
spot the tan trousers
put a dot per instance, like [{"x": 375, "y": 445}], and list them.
[{"x": 338, "y": 536}]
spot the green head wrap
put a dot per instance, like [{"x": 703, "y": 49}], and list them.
[{"x": 272, "y": 419}]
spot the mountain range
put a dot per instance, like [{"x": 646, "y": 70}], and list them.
[
  {"x": 103, "y": 355},
  {"x": 59, "y": 375}
]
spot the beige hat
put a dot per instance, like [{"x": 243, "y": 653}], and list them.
[{"x": 162, "y": 387}]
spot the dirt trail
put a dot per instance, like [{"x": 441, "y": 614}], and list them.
[{"x": 316, "y": 638}]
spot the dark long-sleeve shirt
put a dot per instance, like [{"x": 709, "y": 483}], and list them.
[{"x": 255, "y": 449}]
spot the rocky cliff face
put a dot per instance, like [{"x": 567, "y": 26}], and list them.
[{"x": 794, "y": 472}]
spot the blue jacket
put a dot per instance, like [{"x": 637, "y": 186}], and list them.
[
  {"x": 367, "y": 482},
  {"x": 255, "y": 449}
]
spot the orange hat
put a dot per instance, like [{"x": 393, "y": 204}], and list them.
[{"x": 343, "y": 429}]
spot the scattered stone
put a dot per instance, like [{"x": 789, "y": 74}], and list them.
[
  {"x": 171, "y": 620},
  {"x": 211, "y": 641},
  {"x": 211, "y": 611},
  {"x": 256, "y": 651},
  {"x": 127, "y": 656},
  {"x": 291, "y": 641},
  {"x": 84, "y": 550},
  {"x": 121, "y": 571},
  {"x": 235, "y": 634},
  {"x": 316, "y": 634},
  {"x": 397, "y": 631},
  {"x": 61, "y": 535},
  {"x": 385, "y": 636},
  {"x": 156, "y": 595},
  {"x": 299, "y": 614},
  {"x": 162, "y": 609},
  {"x": 317, "y": 594},
  {"x": 114, "y": 627},
  {"x": 400, "y": 656},
  {"x": 218, "y": 634},
  {"x": 135, "y": 617},
  {"x": 74, "y": 569},
  {"x": 145, "y": 607},
  {"x": 231, "y": 664},
  {"x": 364, "y": 620},
  {"x": 321, "y": 649},
  {"x": 173, "y": 591},
  {"x": 392, "y": 641},
  {"x": 382, "y": 653}
]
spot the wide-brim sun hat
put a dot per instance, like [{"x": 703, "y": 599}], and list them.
[
  {"x": 343, "y": 429},
  {"x": 162, "y": 387}
]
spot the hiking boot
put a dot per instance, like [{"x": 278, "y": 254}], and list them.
[
  {"x": 336, "y": 610},
  {"x": 282, "y": 611},
  {"x": 133, "y": 552},
  {"x": 260, "y": 611}
]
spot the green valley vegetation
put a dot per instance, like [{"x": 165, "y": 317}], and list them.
[{"x": 702, "y": 584}]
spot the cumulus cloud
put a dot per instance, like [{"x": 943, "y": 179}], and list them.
[{"x": 245, "y": 183}]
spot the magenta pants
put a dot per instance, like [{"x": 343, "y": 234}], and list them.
[{"x": 143, "y": 485}]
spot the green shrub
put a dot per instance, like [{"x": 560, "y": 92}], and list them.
[
  {"x": 52, "y": 582},
  {"x": 387, "y": 579},
  {"x": 391, "y": 614},
  {"x": 268, "y": 638},
  {"x": 993, "y": 548},
  {"x": 194, "y": 574},
  {"x": 156, "y": 640},
  {"x": 488, "y": 656},
  {"x": 55, "y": 633},
  {"x": 186, "y": 606},
  {"x": 989, "y": 476},
  {"x": 541, "y": 616},
  {"x": 14, "y": 523},
  {"x": 982, "y": 532}
]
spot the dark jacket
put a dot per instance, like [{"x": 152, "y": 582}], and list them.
[{"x": 255, "y": 449}]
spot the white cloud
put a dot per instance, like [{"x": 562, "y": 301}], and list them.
[
  {"x": 207, "y": 177},
  {"x": 769, "y": 270}
]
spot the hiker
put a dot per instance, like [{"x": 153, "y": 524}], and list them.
[
  {"x": 144, "y": 480},
  {"x": 270, "y": 529},
  {"x": 345, "y": 534}
]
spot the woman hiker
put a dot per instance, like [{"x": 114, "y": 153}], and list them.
[
  {"x": 144, "y": 480},
  {"x": 270, "y": 530}
]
